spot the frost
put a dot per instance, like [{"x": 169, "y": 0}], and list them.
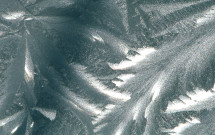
[
  {"x": 117, "y": 67},
  {"x": 13, "y": 15}
]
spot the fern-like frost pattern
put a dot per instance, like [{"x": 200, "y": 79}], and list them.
[{"x": 98, "y": 67}]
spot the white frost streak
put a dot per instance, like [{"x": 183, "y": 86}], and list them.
[
  {"x": 14, "y": 130},
  {"x": 102, "y": 115},
  {"x": 156, "y": 89},
  {"x": 83, "y": 105},
  {"x": 196, "y": 100},
  {"x": 32, "y": 124},
  {"x": 208, "y": 17},
  {"x": 50, "y": 114},
  {"x": 10, "y": 118},
  {"x": 116, "y": 44},
  {"x": 29, "y": 69},
  {"x": 120, "y": 128},
  {"x": 181, "y": 127},
  {"x": 155, "y": 92},
  {"x": 99, "y": 86},
  {"x": 96, "y": 37},
  {"x": 134, "y": 60},
  {"x": 97, "y": 129},
  {"x": 13, "y": 15},
  {"x": 136, "y": 109}
]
